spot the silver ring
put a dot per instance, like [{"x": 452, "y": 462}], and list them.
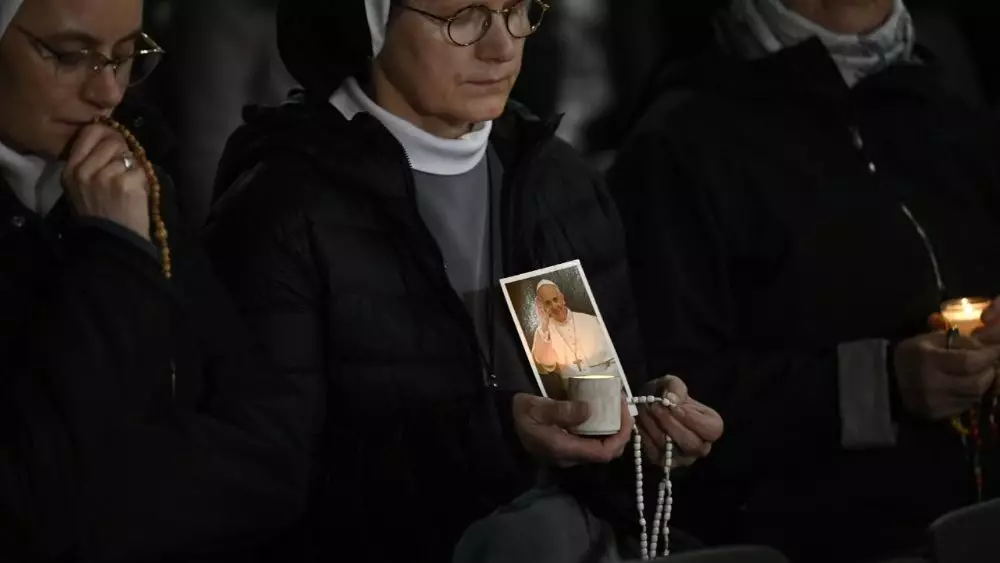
[{"x": 128, "y": 161}]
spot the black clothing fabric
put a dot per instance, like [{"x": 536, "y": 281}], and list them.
[
  {"x": 323, "y": 43},
  {"x": 320, "y": 240},
  {"x": 766, "y": 208},
  {"x": 104, "y": 456}
]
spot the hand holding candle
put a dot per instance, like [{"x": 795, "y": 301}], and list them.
[
  {"x": 937, "y": 381},
  {"x": 965, "y": 314}
]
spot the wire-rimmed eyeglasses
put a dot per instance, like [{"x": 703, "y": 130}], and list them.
[
  {"x": 76, "y": 66},
  {"x": 472, "y": 23}
]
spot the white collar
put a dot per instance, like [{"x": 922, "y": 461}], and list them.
[
  {"x": 427, "y": 153},
  {"x": 35, "y": 181}
]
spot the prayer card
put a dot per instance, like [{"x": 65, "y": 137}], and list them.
[{"x": 561, "y": 328}]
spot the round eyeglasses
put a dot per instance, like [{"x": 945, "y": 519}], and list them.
[
  {"x": 472, "y": 23},
  {"x": 74, "y": 67}
]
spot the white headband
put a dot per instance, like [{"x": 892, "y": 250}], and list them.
[
  {"x": 7, "y": 10},
  {"x": 378, "y": 20}
]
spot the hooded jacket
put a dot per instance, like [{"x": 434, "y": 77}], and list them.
[
  {"x": 134, "y": 424},
  {"x": 317, "y": 234}
]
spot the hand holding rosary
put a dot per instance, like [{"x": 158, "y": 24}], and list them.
[
  {"x": 102, "y": 179},
  {"x": 664, "y": 498}
]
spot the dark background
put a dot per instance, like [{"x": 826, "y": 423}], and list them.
[{"x": 597, "y": 70}]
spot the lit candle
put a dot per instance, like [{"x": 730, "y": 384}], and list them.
[{"x": 964, "y": 314}]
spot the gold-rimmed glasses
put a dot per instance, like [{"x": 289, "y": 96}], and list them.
[{"x": 74, "y": 67}]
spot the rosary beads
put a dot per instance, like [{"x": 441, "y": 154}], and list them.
[
  {"x": 664, "y": 497},
  {"x": 159, "y": 227}
]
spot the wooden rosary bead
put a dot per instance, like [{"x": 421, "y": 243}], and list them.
[{"x": 159, "y": 227}]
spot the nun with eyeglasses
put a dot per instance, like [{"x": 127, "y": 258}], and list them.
[
  {"x": 134, "y": 424},
  {"x": 362, "y": 228}
]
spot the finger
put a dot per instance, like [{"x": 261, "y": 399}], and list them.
[
  {"x": 965, "y": 362},
  {"x": 561, "y": 414},
  {"x": 676, "y": 386},
  {"x": 944, "y": 341},
  {"x": 89, "y": 137},
  {"x": 668, "y": 422},
  {"x": 681, "y": 460},
  {"x": 988, "y": 334},
  {"x": 992, "y": 313},
  {"x": 937, "y": 322},
  {"x": 109, "y": 174},
  {"x": 569, "y": 449},
  {"x": 651, "y": 447},
  {"x": 968, "y": 389},
  {"x": 648, "y": 423},
  {"x": 109, "y": 149},
  {"x": 704, "y": 421}
]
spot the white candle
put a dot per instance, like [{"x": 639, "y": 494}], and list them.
[
  {"x": 603, "y": 395},
  {"x": 965, "y": 314}
]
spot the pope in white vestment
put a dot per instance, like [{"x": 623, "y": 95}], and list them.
[{"x": 567, "y": 343}]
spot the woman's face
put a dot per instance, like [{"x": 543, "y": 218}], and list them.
[
  {"x": 43, "y": 104},
  {"x": 437, "y": 78}
]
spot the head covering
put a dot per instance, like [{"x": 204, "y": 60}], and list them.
[
  {"x": 34, "y": 180},
  {"x": 378, "y": 19},
  {"x": 758, "y": 28},
  {"x": 544, "y": 283},
  {"x": 323, "y": 42},
  {"x": 7, "y": 10}
]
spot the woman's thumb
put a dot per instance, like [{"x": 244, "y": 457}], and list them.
[{"x": 565, "y": 414}]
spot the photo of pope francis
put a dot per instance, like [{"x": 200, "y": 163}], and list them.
[{"x": 567, "y": 343}]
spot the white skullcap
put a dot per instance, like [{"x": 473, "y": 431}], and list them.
[
  {"x": 7, "y": 10},
  {"x": 544, "y": 283},
  {"x": 378, "y": 20}
]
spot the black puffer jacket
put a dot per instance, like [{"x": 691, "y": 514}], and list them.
[
  {"x": 774, "y": 214},
  {"x": 320, "y": 240}
]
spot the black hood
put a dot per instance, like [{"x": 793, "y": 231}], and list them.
[
  {"x": 300, "y": 125},
  {"x": 323, "y": 42}
]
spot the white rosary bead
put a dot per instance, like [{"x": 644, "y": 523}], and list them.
[{"x": 664, "y": 499}]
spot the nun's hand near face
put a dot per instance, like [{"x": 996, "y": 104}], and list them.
[
  {"x": 693, "y": 426},
  {"x": 99, "y": 185}
]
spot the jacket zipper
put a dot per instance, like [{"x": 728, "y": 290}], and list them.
[
  {"x": 859, "y": 144},
  {"x": 489, "y": 378},
  {"x": 488, "y": 370},
  {"x": 927, "y": 246}
]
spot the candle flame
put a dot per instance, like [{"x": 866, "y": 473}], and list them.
[{"x": 967, "y": 307}]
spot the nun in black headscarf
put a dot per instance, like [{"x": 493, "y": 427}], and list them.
[{"x": 362, "y": 228}]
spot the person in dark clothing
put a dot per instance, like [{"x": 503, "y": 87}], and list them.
[
  {"x": 362, "y": 228},
  {"x": 134, "y": 423},
  {"x": 798, "y": 202}
]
